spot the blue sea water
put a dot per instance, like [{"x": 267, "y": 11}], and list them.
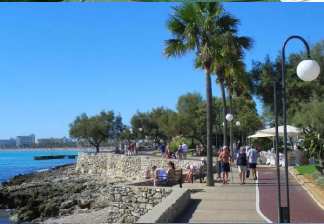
[{"x": 15, "y": 162}]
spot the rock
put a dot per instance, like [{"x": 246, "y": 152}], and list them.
[
  {"x": 84, "y": 203},
  {"x": 67, "y": 204}
]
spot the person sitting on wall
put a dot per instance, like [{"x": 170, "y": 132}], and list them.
[
  {"x": 171, "y": 172},
  {"x": 191, "y": 170},
  {"x": 202, "y": 170},
  {"x": 160, "y": 176}
]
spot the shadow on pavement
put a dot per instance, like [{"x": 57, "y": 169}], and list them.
[{"x": 187, "y": 213}]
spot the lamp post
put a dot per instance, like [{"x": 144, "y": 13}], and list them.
[
  {"x": 238, "y": 125},
  {"x": 141, "y": 133},
  {"x": 229, "y": 117},
  {"x": 307, "y": 70}
]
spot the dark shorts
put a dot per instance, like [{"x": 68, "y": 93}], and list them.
[
  {"x": 252, "y": 165},
  {"x": 225, "y": 167}
]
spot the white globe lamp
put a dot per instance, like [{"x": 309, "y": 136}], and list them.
[
  {"x": 238, "y": 124},
  {"x": 229, "y": 117},
  {"x": 308, "y": 70}
]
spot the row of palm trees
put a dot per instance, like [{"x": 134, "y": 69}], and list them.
[{"x": 206, "y": 29}]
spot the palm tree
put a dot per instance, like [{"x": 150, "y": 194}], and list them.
[
  {"x": 234, "y": 73},
  {"x": 196, "y": 27},
  {"x": 227, "y": 62}
]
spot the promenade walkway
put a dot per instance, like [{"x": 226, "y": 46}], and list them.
[
  {"x": 254, "y": 202},
  {"x": 231, "y": 203}
]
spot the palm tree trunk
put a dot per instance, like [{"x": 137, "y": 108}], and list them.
[
  {"x": 222, "y": 87},
  {"x": 210, "y": 176}
]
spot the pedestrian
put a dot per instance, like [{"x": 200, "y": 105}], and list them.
[
  {"x": 171, "y": 172},
  {"x": 126, "y": 149},
  {"x": 252, "y": 156},
  {"x": 162, "y": 149},
  {"x": 179, "y": 152},
  {"x": 225, "y": 166},
  {"x": 197, "y": 150},
  {"x": 184, "y": 148},
  {"x": 219, "y": 164},
  {"x": 241, "y": 163},
  {"x": 167, "y": 152}
]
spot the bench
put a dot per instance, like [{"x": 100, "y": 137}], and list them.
[{"x": 175, "y": 179}]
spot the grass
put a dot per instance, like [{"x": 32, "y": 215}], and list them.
[
  {"x": 306, "y": 169},
  {"x": 311, "y": 171}
]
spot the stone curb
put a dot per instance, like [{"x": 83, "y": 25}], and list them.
[
  {"x": 170, "y": 207},
  {"x": 306, "y": 187}
]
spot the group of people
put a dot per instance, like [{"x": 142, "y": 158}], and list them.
[
  {"x": 161, "y": 176},
  {"x": 196, "y": 170},
  {"x": 167, "y": 177},
  {"x": 245, "y": 159},
  {"x": 130, "y": 148},
  {"x": 181, "y": 152}
]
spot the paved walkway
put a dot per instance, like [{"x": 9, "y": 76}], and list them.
[
  {"x": 303, "y": 208},
  {"x": 232, "y": 203}
]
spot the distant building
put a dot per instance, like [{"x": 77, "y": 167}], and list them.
[
  {"x": 7, "y": 143},
  {"x": 55, "y": 142},
  {"x": 25, "y": 141}
]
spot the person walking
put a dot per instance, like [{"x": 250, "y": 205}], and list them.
[
  {"x": 241, "y": 163},
  {"x": 184, "y": 148},
  {"x": 252, "y": 156},
  {"x": 219, "y": 165},
  {"x": 179, "y": 152},
  {"x": 162, "y": 149},
  {"x": 225, "y": 157}
]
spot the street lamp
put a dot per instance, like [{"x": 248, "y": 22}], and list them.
[
  {"x": 140, "y": 130},
  {"x": 229, "y": 117},
  {"x": 307, "y": 70},
  {"x": 238, "y": 124}
]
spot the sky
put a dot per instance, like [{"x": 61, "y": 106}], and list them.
[{"x": 60, "y": 60}]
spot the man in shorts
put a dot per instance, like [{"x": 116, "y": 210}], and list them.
[{"x": 252, "y": 155}]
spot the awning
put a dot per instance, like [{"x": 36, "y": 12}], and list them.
[
  {"x": 291, "y": 131},
  {"x": 261, "y": 135}
]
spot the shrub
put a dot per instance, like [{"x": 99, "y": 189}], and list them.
[{"x": 176, "y": 141}]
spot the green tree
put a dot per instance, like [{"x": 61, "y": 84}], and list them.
[
  {"x": 298, "y": 91},
  {"x": 95, "y": 130},
  {"x": 166, "y": 119},
  {"x": 310, "y": 117},
  {"x": 196, "y": 27},
  {"x": 192, "y": 117}
]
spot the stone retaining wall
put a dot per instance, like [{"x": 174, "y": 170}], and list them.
[
  {"x": 129, "y": 203},
  {"x": 169, "y": 209},
  {"x": 121, "y": 166}
]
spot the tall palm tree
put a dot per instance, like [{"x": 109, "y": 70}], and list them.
[
  {"x": 226, "y": 63},
  {"x": 196, "y": 27},
  {"x": 234, "y": 73}
]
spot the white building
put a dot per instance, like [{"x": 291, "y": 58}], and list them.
[{"x": 25, "y": 141}]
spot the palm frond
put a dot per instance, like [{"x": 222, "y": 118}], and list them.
[{"x": 175, "y": 47}]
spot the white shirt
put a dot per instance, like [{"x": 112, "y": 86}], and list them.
[
  {"x": 252, "y": 155},
  {"x": 184, "y": 148}
]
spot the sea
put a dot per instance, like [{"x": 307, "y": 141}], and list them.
[{"x": 14, "y": 162}]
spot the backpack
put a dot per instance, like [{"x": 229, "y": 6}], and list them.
[{"x": 242, "y": 160}]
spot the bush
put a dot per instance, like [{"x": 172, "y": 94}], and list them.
[
  {"x": 320, "y": 180},
  {"x": 306, "y": 169},
  {"x": 176, "y": 141}
]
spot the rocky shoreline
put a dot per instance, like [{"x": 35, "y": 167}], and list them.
[
  {"x": 63, "y": 195},
  {"x": 61, "y": 191}
]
